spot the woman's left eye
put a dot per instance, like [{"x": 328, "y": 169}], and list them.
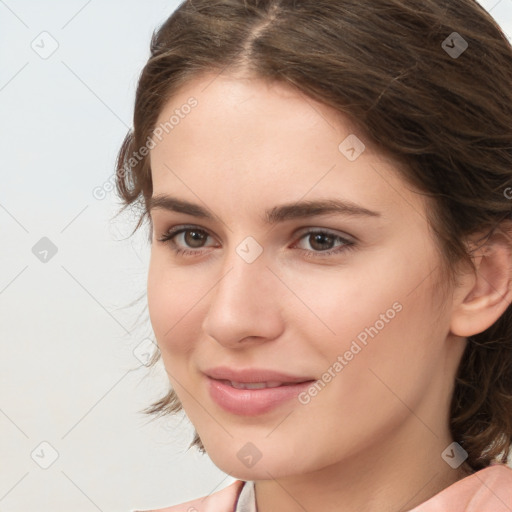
[
  {"x": 320, "y": 238},
  {"x": 322, "y": 241}
]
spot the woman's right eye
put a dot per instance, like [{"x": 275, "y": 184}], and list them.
[{"x": 196, "y": 235}]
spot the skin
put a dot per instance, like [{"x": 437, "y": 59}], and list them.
[{"x": 372, "y": 438}]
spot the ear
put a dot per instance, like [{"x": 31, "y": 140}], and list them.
[{"x": 483, "y": 295}]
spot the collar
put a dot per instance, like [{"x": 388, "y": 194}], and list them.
[{"x": 246, "y": 499}]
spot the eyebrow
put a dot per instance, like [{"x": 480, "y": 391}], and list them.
[{"x": 274, "y": 215}]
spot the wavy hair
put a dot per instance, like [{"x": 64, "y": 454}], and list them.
[{"x": 401, "y": 71}]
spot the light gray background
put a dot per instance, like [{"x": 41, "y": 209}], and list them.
[{"x": 69, "y": 374}]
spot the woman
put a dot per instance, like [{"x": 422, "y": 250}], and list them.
[{"x": 327, "y": 186}]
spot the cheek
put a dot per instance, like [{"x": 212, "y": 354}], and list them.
[
  {"x": 377, "y": 316},
  {"x": 388, "y": 360},
  {"x": 160, "y": 299},
  {"x": 336, "y": 305},
  {"x": 383, "y": 365},
  {"x": 171, "y": 300}
]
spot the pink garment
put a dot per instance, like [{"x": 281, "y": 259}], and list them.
[{"x": 487, "y": 490}]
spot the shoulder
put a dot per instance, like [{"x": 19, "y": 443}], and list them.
[
  {"x": 494, "y": 487},
  {"x": 487, "y": 490},
  {"x": 220, "y": 501}
]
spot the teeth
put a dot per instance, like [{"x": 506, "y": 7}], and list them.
[{"x": 255, "y": 385}]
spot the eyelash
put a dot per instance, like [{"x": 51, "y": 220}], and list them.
[{"x": 168, "y": 237}]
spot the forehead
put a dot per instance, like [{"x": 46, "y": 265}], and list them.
[
  {"x": 251, "y": 106},
  {"x": 253, "y": 111},
  {"x": 253, "y": 140}
]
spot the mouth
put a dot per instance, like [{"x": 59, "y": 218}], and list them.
[
  {"x": 259, "y": 385},
  {"x": 254, "y": 398},
  {"x": 243, "y": 376}
]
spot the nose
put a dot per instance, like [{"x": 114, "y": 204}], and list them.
[{"x": 244, "y": 304}]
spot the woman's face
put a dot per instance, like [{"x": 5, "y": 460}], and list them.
[{"x": 265, "y": 283}]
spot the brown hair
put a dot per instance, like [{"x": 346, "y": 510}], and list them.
[{"x": 389, "y": 66}]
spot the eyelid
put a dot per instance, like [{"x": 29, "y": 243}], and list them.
[
  {"x": 312, "y": 229},
  {"x": 181, "y": 228}
]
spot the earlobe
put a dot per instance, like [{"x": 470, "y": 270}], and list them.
[{"x": 483, "y": 296}]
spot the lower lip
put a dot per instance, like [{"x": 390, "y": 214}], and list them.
[{"x": 251, "y": 402}]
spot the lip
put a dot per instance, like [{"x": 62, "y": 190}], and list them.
[
  {"x": 252, "y": 402},
  {"x": 253, "y": 375}
]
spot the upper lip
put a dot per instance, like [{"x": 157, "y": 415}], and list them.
[{"x": 253, "y": 375}]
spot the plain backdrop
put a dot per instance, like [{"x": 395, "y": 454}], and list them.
[{"x": 74, "y": 337}]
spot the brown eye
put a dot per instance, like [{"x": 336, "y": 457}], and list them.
[
  {"x": 185, "y": 240},
  {"x": 321, "y": 241},
  {"x": 195, "y": 239}
]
